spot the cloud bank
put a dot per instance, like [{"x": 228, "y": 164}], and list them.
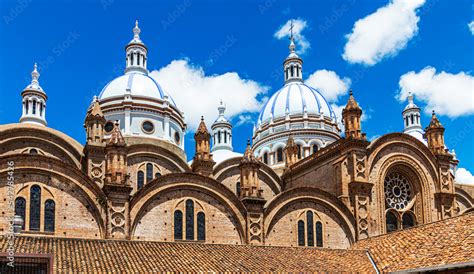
[{"x": 383, "y": 33}]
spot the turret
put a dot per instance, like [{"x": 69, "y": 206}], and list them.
[
  {"x": 351, "y": 115},
  {"x": 293, "y": 64},
  {"x": 291, "y": 152},
  {"x": 435, "y": 136},
  {"x": 202, "y": 161},
  {"x": 94, "y": 123}
]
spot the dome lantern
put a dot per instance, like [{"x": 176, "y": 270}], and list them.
[
  {"x": 293, "y": 64},
  {"x": 34, "y": 101},
  {"x": 412, "y": 119},
  {"x": 221, "y": 131},
  {"x": 136, "y": 53}
]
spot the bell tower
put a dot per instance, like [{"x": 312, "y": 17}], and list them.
[
  {"x": 94, "y": 150},
  {"x": 117, "y": 186}
]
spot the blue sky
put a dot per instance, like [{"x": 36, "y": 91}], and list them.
[{"x": 79, "y": 47}]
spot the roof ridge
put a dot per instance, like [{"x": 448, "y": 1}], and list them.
[{"x": 37, "y": 237}]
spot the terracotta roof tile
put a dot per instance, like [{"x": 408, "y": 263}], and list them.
[
  {"x": 446, "y": 242},
  {"x": 119, "y": 256}
]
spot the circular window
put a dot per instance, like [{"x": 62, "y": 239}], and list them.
[
  {"x": 397, "y": 191},
  {"x": 148, "y": 127},
  {"x": 109, "y": 126},
  {"x": 177, "y": 138}
]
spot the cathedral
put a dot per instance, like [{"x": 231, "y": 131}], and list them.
[{"x": 308, "y": 182}]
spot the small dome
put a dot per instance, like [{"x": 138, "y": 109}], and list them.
[
  {"x": 295, "y": 98},
  {"x": 139, "y": 84}
]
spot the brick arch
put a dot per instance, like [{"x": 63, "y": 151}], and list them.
[
  {"x": 187, "y": 181},
  {"x": 53, "y": 173},
  {"x": 419, "y": 178},
  {"x": 398, "y": 142},
  {"x": 265, "y": 173},
  {"x": 162, "y": 154},
  {"x": 314, "y": 195},
  {"x": 17, "y": 136}
]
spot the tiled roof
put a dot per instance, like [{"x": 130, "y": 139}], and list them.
[
  {"x": 437, "y": 244},
  {"x": 121, "y": 256}
]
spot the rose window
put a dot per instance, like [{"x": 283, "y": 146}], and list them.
[{"x": 397, "y": 191}]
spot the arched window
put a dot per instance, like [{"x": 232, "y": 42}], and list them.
[
  {"x": 149, "y": 172},
  {"x": 298, "y": 71},
  {"x": 319, "y": 234},
  {"x": 417, "y": 119},
  {"x": 315, "y": 148},
  {"x": 27, "y": 104},
  {"x": 408, "y": 220},
  {"x": 33, "y": 151},
  {"x": 237, "y": 189},
  {"x": 406, "y": 121},
  {"x": 300, "y": 233},
  {"x": 20, "y": 209},
  {"x": 291, "y": 70},
  {"x": 41, "y": 109},
  {"x": 412, "y": 119},
  {"x": 219, "y": 137},
  {"x": 138, "y": 58},
  {"x": 391, "y": 221},
  {"x": 299, "y": 151},
  {"x": 35, "y": 207},
  {"x": 280, "y": 155},
  {"x": 34, "y": 106},
  {"x": 178, "y": 225},
  {"x": 49, "y": 212},
  {"x": 140, "y": 179},
  {"x": 310, "y": 228},
  {"x": 131, "y": 59},
  {"x": 201, "y": 226},
  {"x": 157, "y": 174},
  {"x": 265, "y": 158},
  {"x": 225, "y": 136},
  {"x": 189, "y": 220}
]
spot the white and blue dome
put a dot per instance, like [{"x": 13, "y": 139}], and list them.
[
  {"x": 139, "y": 104},
  {"x": 295, "y": 98},
  {"x": 138, "y": 84}
]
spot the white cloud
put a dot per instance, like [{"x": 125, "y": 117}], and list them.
[
  {"x": 197, "y": 94},
  {"x": 244, "y": 119},
  {"x": 471, "y": 27},
  {"x": 446, "y": 93},
  {"x": 298, "y": 26},
  {"x": 383, "y": 33},
  {"x": 463, "y": 176},
  {"x": 329, "y": 84}
]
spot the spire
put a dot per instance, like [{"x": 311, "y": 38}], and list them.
[
  {"x": 202, "y": 128},
  {"x": 34, "y": 101},
  {"x": 136, "y": 53},
  {"x": 248, "y": 155},
  {"x": 116, "y": 138},
  {"x": 351, "y": 102},
  {"x": 293, "y": 64},
  {"x": 136, "y": 33}
]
